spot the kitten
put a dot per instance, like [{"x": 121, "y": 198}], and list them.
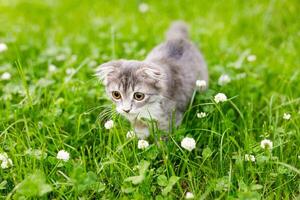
[{"x": 158, "y": 88}]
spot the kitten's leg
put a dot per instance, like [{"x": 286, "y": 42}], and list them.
[
  {"x": 141, "y": 130},
  {"x": 142, "y": 133},
  {"x": 179, "y": 117}
]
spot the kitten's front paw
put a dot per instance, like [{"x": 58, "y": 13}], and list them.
[{"x": 142, "y": 133}]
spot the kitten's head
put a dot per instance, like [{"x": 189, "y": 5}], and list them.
[{"x": 134, "y": 86}]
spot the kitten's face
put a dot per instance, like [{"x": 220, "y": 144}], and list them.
[{"x": 133, "y": 86}]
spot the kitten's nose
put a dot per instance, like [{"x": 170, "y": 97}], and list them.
[{"x": 127, "y": 111}]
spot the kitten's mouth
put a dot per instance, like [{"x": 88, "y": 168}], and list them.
[
  {"x": 134, "y": 116},
  {"x": 131, "y": 116}
]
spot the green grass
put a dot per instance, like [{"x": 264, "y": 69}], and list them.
[{"x": 47, "y": 112}]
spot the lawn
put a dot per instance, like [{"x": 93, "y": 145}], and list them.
[{"x": 50, "y": 100}]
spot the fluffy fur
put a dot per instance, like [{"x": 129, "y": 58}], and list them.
[{"x": 166, "y": 78}]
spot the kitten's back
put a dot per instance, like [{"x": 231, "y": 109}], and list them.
[
  {"x": 182, "y": 62},
  {"x": 178, "y": 49}
]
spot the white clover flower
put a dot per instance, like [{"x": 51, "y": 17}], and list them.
[
  {"x": 201, "y": 84},
  {"x": 143, "y": 7},
  {"x": 63, "y": 155},
  {"x": 130, "y": 134},
  {"x": 6, "y": 76},
  {"x": 220, "y": 97},
  {"x": 70, "y": 71},
  {"x": 92, "y": 63},
  {"x": 6, "y": 162},
  {"x": 52, "y": 68},
  {"x": 251, "y": 58},
  {"x": 189, "y": 195},
  {"x": 73, "y": 58},
  {"x": 201, "y": 115},
  {"x": 241, "y": 76},
  {"x": 3, "y": 156},
  {"x": 109, "y": 124},
  {"x": 188, "y": 143},
  {"x": 38, "y": 154},
  {"x": 61, "y": 57},
  {"x": 224, "y": 79},
  {"x": 3, "y": 47},
  {"x": 287, "y": 116},
  {"x": 143, "y": 144},
  {"x": 249, "y": 157},
  {"x": 266, "y": 144}
]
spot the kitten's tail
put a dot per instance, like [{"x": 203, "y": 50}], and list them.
[{"x": 178, "y": 30}]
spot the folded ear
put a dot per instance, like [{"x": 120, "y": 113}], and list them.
[
  {"x": 104, "y": 71},
  {"x": 152, "y": 72}
]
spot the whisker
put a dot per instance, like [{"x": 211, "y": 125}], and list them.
[
  {"x": 96, "y": 108},
  {"x": 107, "y": 113}
]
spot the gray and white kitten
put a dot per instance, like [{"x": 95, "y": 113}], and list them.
[{"x": 158, "y": 88}]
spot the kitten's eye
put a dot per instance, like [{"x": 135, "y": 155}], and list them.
[
  {"x": 138, "y": 96},
  {"x": 116, "y": 95}
]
